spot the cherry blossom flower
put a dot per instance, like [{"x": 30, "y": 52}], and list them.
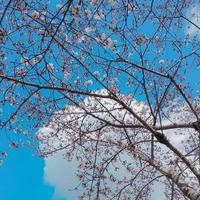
[
  {"x": 65, "y": 38},
  {"x": 156, "y": 38},
  {"x": 141, "y": 39},
  {"x": 75, "y": 11},
  {"x": 50, "y": 67},
  {"x": 4, "y": 154},
  {"x": 21, "y": 71},
  {"x": 77, "y": 80},
  {"x": 87, "y": 13},
  {"x": 13, "y": 118},
  {"x": 130, "y": 8},
  {"x": 67, "y": 75},
  {"x": 161, "y": 62},
  {"x": 36, "y": 59},
  {"x": 96, "y": 73},
  {"x": 37, "y": 96},
  {"x": 58, "y": 6},
  {"x": 110, "y": 43},
  {"x": 80, "y": 39},
  {"x": 42, "y": 18},
  {"x": 41, "y": 31},
  {"x": 99, "y": 15},
  {"x": 44, "y": 13},
  {"x": 103, "y": 36},
  {"x": 25, "y": 61},
  {"x": 14, "y": 145},
  {"x": 88, "y": 30},
  {"x": 88, "y": 83},
  {"x": 35, "y": 14}
]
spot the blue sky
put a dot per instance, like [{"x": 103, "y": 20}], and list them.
[{"x": 22, "y": 177}]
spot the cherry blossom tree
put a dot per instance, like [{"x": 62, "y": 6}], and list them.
[{"x": 111, "y": 84}]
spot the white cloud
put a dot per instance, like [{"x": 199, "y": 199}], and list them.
[
  {"x": 60, "y": 173},
  {"x": 194, "y": 16}
]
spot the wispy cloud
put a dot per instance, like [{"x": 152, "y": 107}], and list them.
[{"x": 193, "y": 16}]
